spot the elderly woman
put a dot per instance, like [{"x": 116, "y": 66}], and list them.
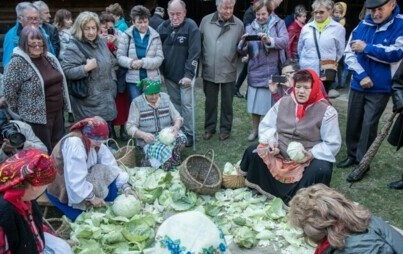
[
  {"x": 338, "y": 225},
  {"x": 321, "y": 43},
  {"x": 140, "y": 50},
  {"x": 23, "y": 178},
  {"x": 304, "y": 117},
  {"x": 149, "y": 114},
  {"x": 87, "y": 56},
  {"x": 35, "y": 87},
  {"x": 87, "y": 172},
  {"x": 265, "y": 56}
]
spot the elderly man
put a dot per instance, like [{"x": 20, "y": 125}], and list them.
[
  {"x": 373, "y": 53},
  {"x": 51, "y": 31},
  {"x": 27, "y": 14},
  {"x": 221, "y": 31},
  {"x": 157, "y": 18},
  {"x": 180, "y": 38}
]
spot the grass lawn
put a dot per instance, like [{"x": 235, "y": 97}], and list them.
[{"x": 371, "y": 192}]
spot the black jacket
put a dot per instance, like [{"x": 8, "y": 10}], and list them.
[
  {"x": 397, "y": 89},
  {"x": 19, "y": 235},
  {"x": 156, "y": 20},
  {"x": 53, "y": 37}
]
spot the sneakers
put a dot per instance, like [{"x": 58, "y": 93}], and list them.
[{"x": 333, "y": 94}]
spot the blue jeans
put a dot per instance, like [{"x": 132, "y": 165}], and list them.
[{"x": 133, "y": 90}]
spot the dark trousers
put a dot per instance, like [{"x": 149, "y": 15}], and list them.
[
  {"x": 211, "y": 91},
  {"x": 364, "y": 112},
  {"x": 51, "y": 132},
  {"x": 241, "y": 76}
]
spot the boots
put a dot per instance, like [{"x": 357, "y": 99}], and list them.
[
  {"x": 397, "y": 185},
  {"x": 123, "y": 134}
]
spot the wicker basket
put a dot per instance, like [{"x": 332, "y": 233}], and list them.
[
  {"x": 126, "y": 155},
  {"x": 199, "y": 174},
  {"x": 59, "y": 226},
  {"x": 233, "y": 181}
]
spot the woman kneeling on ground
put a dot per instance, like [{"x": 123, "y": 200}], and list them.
[
  {"x": 87, "y": 173},
  {"x": 150, "y": 113},
  {"x": 305, "y": 117},
  {"x": 23, "y": 178},
  {"x": 338, "y": 225}
]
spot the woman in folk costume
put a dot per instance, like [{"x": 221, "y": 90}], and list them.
[
  {"x": 305, "y": 117},
  {"x": 87, "y": 173},
  {"x": 150, "y": 113},
  {"x": 23, "y": 178}
]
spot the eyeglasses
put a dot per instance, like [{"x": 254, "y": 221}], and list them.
[
  {"x": 319, "y": 12},
  {"x": 30, "y": 18},
  {"x": 34, "y": 45}
]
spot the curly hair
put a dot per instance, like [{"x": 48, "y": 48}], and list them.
[
  {"x": 322, "y": 212},
  {"x": 140, "y": 12}
]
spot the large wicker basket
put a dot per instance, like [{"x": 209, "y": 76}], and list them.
[
  {"x": 199, "y": 174},
  {"x": 233, "y": 181},
  {"x": 126, "y": 155}
]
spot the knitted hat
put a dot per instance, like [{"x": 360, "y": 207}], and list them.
[
  {"x": 32, "y": 166},
  {"x": 189, "y": 232}
]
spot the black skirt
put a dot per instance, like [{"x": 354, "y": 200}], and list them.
[{"x": 259, "y": 177}]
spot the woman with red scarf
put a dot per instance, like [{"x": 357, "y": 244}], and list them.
[
  {"x": 339, "y": 226},
  {"x": 23, "y": 178},
  {"x": 87, "y": 173},
  {"x": 305, "y": 117}
]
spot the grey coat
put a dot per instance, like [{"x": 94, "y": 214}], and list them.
[{"x": 102, "y": 86}]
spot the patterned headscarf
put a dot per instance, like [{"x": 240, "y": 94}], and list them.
[
  {"x": 149, "y": 86},
  {"x": 95, "y": 128},
  {"x": 28, "y": 166},
  {"x": 32, "y": 166}
]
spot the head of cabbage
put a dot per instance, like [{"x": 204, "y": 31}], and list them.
[
  {"x": 295, "y": 151},
  {"x": 126, "y": 206},
  {"x": 167, "y": 136}
]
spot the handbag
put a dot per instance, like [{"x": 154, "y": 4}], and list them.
[
  {"x": 328, "y": 68},
  {"x": 78, "y": 88},
  {"x": 121, "y": 73}
]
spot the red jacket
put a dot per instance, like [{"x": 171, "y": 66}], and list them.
[{"x": 294, "y": 30}]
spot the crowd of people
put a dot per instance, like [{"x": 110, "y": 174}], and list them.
[{"x": 99, "y": 72}]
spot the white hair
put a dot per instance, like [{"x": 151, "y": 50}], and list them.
[
  {"x": 40, "y": 5},
  {"x": 328, "y": 4},
  {"x": 23, "y": 6},
  {"x": 219, "y": 2}
]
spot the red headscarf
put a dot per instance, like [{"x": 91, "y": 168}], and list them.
[
  {"x": 315, "y": 95},
  {"x": 95, "y": 128},
  {"x": 28, "y": 166}
]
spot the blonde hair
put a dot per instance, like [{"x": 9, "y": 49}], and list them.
[
  {"x": 322, "y": 212},
  {"x": 77, "y": 30}
]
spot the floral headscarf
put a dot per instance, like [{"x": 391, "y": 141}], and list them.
[
  {"x": 95, "y": 128},
  {"x": 149, "y": 86},
  {"x": 315, "y": 95},
  {"x": 28, "y": 166}
]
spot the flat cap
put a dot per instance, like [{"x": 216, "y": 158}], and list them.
[{"x": 372, "y": 4}]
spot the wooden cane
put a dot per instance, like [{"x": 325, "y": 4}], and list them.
[{"x": 373, "y": 149}]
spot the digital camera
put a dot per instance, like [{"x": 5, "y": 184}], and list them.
[{"x": 12, "y": 132}]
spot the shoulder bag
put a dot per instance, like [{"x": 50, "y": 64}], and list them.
[
  {"x": 328, "y": 68},
  {"x": 78, "y": 88}
]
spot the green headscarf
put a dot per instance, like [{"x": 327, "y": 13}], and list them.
[{"x": 149, "y": 86}]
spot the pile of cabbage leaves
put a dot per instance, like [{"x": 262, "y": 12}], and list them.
[{"x": 246, "y": 218}]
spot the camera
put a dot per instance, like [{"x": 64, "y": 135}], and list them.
[
  {"x": 12, "y": 132},
  {"x": 252, "y": 38},
  {"x": 111, "y": 31},
  {"x": 279, "y": 79}
]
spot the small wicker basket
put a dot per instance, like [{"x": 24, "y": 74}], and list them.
[
  {"x": 126, "y": 155},
  {"x": 199, "y": 174},
  {"x": 233, "y": 181}
]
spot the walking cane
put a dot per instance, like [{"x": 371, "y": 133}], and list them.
[
  {"x": 358, "y": 173},
  {"x": 194, "y": 63}
]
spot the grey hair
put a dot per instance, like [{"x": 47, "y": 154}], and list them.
[
  {"x": 40, "y": 5},
  {"x": 182, "y": 3},
  {"x": 328, "y": 4},
  {"x": 77, "y": 30},
  {"x": 23, "y": 6},
  {"x": 219, "y": 2}
]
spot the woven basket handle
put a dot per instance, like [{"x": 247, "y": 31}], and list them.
[
  {"x": 130, "y": 142},
  {"x": 211, "y": 165},
  {"x": 114, "y": 141}
]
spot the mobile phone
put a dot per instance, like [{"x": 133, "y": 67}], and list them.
[
  {"x": 111, "y": 31},
  {"x": 252, "y": 38},
  {"x": 279, "y": 79}
]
